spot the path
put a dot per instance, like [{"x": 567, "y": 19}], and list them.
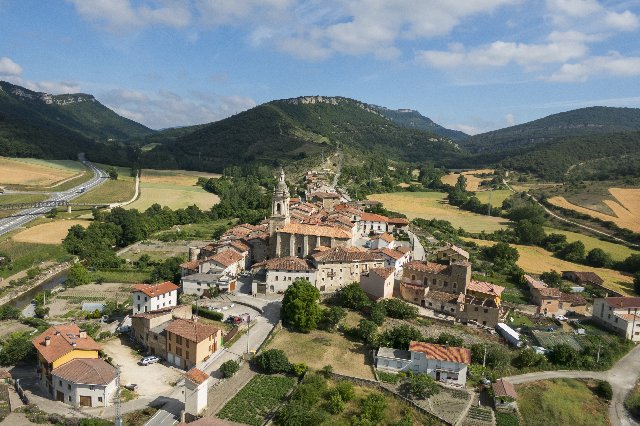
[
  {"x": 562, "y": 219},
  {"x": 136, "y": 194},
  {"x": 418, "y": 250},
  {"x": 622, "y": 377}
]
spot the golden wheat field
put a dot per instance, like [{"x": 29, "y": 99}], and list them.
[
  {"x": 28, "y": 172},
  {"x": 48, "y": 233},
  {"x": 473, "y": 181},
  {"x": 626, "y": 208},
  {"x": 536, "y": 260}
]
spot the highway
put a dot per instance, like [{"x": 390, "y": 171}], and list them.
[{"x": 17, "y": 220}]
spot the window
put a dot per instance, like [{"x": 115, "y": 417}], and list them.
[
  {"x": 275, "y": 278},
  {"x": 486, "y": 310},
  {"x": 179, "y": 340},
  {"x": 179, "y": 351},
  {"x": 413, "y": 276},
  {"x": 475, "y": 309},
  {"x": 99, "y": 399},
  {"x": 145, "y": 298},
  {"x": 435, "y": 281},
  {"x": 138, "y": 297},
  {"x": 69, "y": 398},
  {"x": 69, "y": 387},
  {"x": 187, "y": 343},
  {"x": 60, "y": 382},
  {"x": 169, "y": 346},
  {"x": 187, "y": 355},
  {"x": 446, "y": 283},
  {"x": 92, "y": 388}
]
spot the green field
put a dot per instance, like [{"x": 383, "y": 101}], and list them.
[
  {"x": 26, "y": 255},
  {"x": 121, "y": 275},
  {"x": 561, "y": 402},
  {"x": 497, "y": 196},
  {"x": 111, "y": 191},
  {"x": 433, "y": 205},
  {"x": 617, "y": 251}
]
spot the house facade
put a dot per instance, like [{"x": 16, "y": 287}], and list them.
[
  {"x": 619, "y": 314},
  {"x": 340, "y": 266},
  {"x": 151, "y": 297},
  {"x": 280, "y": 273},
  {"x": 378, "y": 283},
  {"x": 190, "y": 342},
  {"x": 147, "y": 328}
]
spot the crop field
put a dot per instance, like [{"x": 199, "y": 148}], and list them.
[
  {"x": 33, "y": 172},
  {"x": 111, "y": 191},
  {"x": 537, "y": 260},
  {"x": 625, "y": 207},
  {"x": 257, "y": 399},
  {"x": 433, "y": 205},
  {"x": 473, "y": 181},
  {"x": 561, "y": 402},
  {"x": 617, "y": 251},
  {"x": 48, "y": 233},
  {"x": 175, "y": 177},
  {"x": 319, "y": 348},
  {"x": 549, "y": 339}
]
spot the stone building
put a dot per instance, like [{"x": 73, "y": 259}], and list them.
[{"x": 339, "y": 266}]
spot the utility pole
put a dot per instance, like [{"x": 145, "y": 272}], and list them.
[
  {"x": 248, "y": 330},
  {"x": 598, "y": 356},
  {"x": 118, "y": 419},
  {"x": 484, "y": 358}
]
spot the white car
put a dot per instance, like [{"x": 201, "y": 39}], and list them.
[
  {"x": 147, "y": 360},
  {"x": 561, "y": 318}
]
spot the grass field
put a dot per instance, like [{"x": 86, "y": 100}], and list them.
[
  {"x": 617, "y": 251},
  {"x": 26, "y": 255},
  {"x": 48, "y": 233},
  {"x": 561, "y": 402},
  {"x": 319, "y": 348},
  {"x": 537, "y": 260},
  {"x": 633, "y": 401},
  {"x": 473, "y": 181},
  {"x": 625, "y": 207},
  {"x": 496, "y": 196},
  {"x": 111, "y": 191},
  {"x": 433, "y": 205},
  {"x": 37, "y": 173}
]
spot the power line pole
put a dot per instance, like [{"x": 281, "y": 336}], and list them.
[{"x": 118, "y": 419}]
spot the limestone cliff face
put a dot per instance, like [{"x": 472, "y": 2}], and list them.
[
  {"x": 331, "y": 100},
  {"x": 47, "y": 98}
]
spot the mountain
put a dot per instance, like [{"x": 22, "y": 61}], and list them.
[
  {"x": 78, "y": 112},
  {"x": 412, "y": 119},
  {"x": 292, "y": 129},
  {"x": 584, "y": 121}
]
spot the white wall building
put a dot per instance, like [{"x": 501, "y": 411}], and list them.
[
  {"x": 280, "y": 273},
  {"x": 150, "y": 297},
  {"x": 443, "y": 363},
  {"x": 619, "y": 314},
  {"x": 84, "y": 382},
  {"x": 197, "y": 284},
  {"x": 196, "y": 389}
]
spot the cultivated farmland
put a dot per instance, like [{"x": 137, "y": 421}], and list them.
[
  {"x": 48, "y": 233},
  {"x": 473, "y": 181},
  {"x": 618, "y": 252},
  {"x": 28, "y": 172},
  {"x": 433, "y": 205}
]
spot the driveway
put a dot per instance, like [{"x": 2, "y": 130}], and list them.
[{"x": 152, "y": 380}]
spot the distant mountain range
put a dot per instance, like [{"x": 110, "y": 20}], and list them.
[{"x": 59, "y": 126}]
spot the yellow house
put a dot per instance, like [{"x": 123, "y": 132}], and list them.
[{"x": 58, "y": 345}]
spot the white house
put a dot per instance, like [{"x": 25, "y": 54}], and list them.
[
  {"x": 229, "y": 261},
  {"x": 396, "y": 258},
  {"x": 196, "y": 388},
  {"x": 280, "y": 273},
  {"x": 84, "y": 382},
  {"x": 619, "y": 314},
  {"x": 443, "y": 363},
  {"x": 372, "y": 223},
  {"x": 381, "y": 241},
  {"x": 150, "y": 297},
  {"x": 378, "y": 283},
  {"x": 198, "y": 283},
  {"x": 451, "y": 253}
]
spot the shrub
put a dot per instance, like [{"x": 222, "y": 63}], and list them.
[
  {"x": 378, "y": 313},
  {"x": 326, "y": 371},
  {"x": 346, "y": 390},
  {"x": 604, "y": 390},
  {"x": 353, "y": 297},
  {"x": 373, "y": 408},
  {"x": 396, "y": 308},
  {"x": 273, "y": 361},
  {"x": 388, "y": 377},
  {"x": 207, "y": 313},
  {"x": 335, "y": 404},
  {"x": 229, "y": 368},
  {"x": 331, "y": 317},
  {"x": 423, "y": 386},
  {"x": 299, "y": 369}
]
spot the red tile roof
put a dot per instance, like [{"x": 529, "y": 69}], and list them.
[
  {"x": 418, "y": 265},
  {"x": 192, "y": 265},
  {"x": 92, "y": 371},
  {"x": 226, "y": 258},
  {"x": 63, "y": 339},
  {"x": 503, "y": 387},
  {"x": 486, "y": 288},
  {"x": 321, "y": 195},
  {"x": 344, "y": 254},
  {"x": 316, "y": 230},
  {"x": 398, "y": 221},
  {"x": 392, "y": 253},
  {"x": 383, "y": 273},
  {"x": 442, "y": 353},
  {"x": 372, "y": 217},
  {"x": 288, "y": 264},
  {"x": 549, "y": 292},
  {"x": 153, "y": 290},
  {"x": 197, "y": 376},
  {"x": 384, "y": 237},
  {"x": 533, "y": 283},
  {"x": 456, "y": 249},
  {"x": 623, "y": 302},
  {"x": 586, "y": 276},
  {"x": 574, "y": 299},
  {"x": 191, "y": 330}
]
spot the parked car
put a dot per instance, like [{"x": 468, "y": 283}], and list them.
[
  {"x": 131, "y": 387},
  {"x": 561, "y": 318},
  {"x": 147, "y": 360}
]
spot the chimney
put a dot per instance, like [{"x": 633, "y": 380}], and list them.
[
  {"x": 47, "y": 341},
  {"x": 57, "y": 333},
  {"x": 83, "y": 334},
  {"x": 74, "y": 344}
]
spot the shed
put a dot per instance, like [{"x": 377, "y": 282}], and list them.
[{"x": 504, "y": 395}]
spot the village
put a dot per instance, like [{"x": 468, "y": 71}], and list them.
[{"x": 188, "y": 349}]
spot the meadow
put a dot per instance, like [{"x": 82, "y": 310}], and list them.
[
  {"x": 48, "y": 233},
  {"x": 473, "y": 181},
  {"x": 561, "y": 402},
  {"x": 434, "y": 205},
  {"x": 26, "y": 255},
  {"x": 618, "y": 252},
  {"x": 111, "y": 191},
  {"x": 495, "y": 196},
  {"x": 536, "y": 260}
]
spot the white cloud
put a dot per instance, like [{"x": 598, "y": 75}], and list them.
[
  {"x": 574, "y": 8},
  {"x": 613, "y": 64},
  {"x": 9, "y": 68},
  {"x": 590, "y": 14},
  {"x": 168, "y": 109},
  {"x": 625, "y": 21}
]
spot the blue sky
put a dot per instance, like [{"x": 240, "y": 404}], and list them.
[{"x": 472, "y": 65}]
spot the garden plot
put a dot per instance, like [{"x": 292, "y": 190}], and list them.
[
  {"x": 68, "y": 302},
  {"x": 549, "y": 339}
]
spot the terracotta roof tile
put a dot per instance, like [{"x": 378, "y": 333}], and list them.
[
  {"x": 344, "y": 254},
  {"x": 442, "y": 353},
  {"x": 456, "y": 249},
  {"x": 191, "y": 330},
  {"x": 574, "y": 299},
  {"x": 398, "y": 221},
  {"x": 486, "y": 288},
  {"x": 316, "y": 230},
  {"x": 503, "y": 387},
  {"x": 384, "y": 237},
  {"x": 322, "y": 195},
  {"x": 533, "y": 283},
  {"x": 549, "y": 292},
  {"x": 288, "y": 264},
  {"x": 197, "y": 376},
  {"x": 392, "y": 253},
  {"x": 226, "y": 258},
  {"x": 153, "y": 290},
  {"x": 93, "y": 371},
  {"x": 587, "y": 276},
  {"x": 62, "y": 339},
  {"x": 434, "y": 268},
  {"x": 372, "y": 217},
  {"x": 623, "y": 302},
  {"x": 383, "y": 273},
  {"x": 442, "y": 296},
  {"x": 193, "y": 265}
]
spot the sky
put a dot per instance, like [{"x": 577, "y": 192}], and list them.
[{"x": 470, "y": 65}]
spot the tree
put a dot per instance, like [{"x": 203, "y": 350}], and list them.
[
  {"x": 604, "y": 390},
  {"x": 335, "y": 404},
  {"x": 573, "y": 252},
  {"x": 400, "y": 336},
  {"x": 378, "y": 313},
  {"x": 564, "y": 355},
  {"x": 366, "y": 331},
  {"x": 598, "y": 258},
  {"x": 461, "y": 183},
  {"x": 449, "y": 339},
  {"x": 229, "y": 368},
  {"x": 77, "y": 275},
  {"x": 16, "y": 348},
  {"x": 300, "y": 308},
  {"x": 113, "y": 173},
  {"x": 169, "y": 270},
  {"x": 273, "y": 361},
  {"x": 373, "y": 408},
  {"x": 422, "y": 386},
  {"x": 297, "y": 413},
  {"x": 396, "y": 308},
  {"x": 528, "y": 358},
  {"x": 636, "y": 283},
  {"x": 529, "y": 232},
  {"x": 353, "y": 297},
  {"x": 331, "y": 317},
  {"x": 554, "y": 242},
  {"x": 631, "y": 264},
  {"x": 551, "y": 278},
  {"x": 346, "y": 390},
  {"x": 502, "y": 255}
]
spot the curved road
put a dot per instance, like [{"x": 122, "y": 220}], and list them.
[
  {"x": 622, "y": 377},
  {"x": 17, "y": 220}
]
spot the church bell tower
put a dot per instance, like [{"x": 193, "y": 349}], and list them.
[{"x": 279, "y": 205}]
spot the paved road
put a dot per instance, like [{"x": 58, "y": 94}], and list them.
[
  {"x": 622, "y": 377},
  {"x": 17, "y": 220}
]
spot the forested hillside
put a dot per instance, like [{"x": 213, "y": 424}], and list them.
[{"x": 411, "y": 119}]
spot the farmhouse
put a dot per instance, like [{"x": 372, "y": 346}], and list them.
[
  {"x": 339, "y": 266},
  {"x": 619, "y": 314},
  {"x": 504, "y": 395},
  {"x": 150, "y": 297},
  {"x": 147, "y": 328}
]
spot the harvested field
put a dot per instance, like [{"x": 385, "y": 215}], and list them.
[
  {"x": 37, "y": 173},
  {"x": 319, "y": 348},
  {"x": 473, "y": 181},
  {"x": 111, "y": 191},
  {"x": 48, "y": 233},
  {"x": 433, "y": 205},
  {"x": 625, "y": 208},
  {"x": 175, "y": 177},
  {"x": 173, "y": 196},
  {"x": 618, "y": 252},
  {"x": 537, "y": 260}
]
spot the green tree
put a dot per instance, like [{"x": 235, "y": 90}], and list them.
[
  {"x": 16, "y": 348},
  {"x": 373, "y": 408},
  {"x": 229, "y": 368},
  {"x": 449, "y": 339},
  {"x": 461, "y": 183},
  {"x": 400, "y": 336},
  {"x": 297, "y": 413},
  {"x": 335, "y": 404},
  {"x": 378, "y": 313},
  {"x": 396, "y": 308},
  {"x": 502, "y": 255},
  {"x": 564, "y": 355},
  {"x": 598, "y": 258},
  {"x": 113, "y": 173},
  {"x": 573, "y": 252},
  {"x": 551, "y": 278},
  {"x": 366, "y": 331},
  {"x": 527, "y": 358},
  {"x": 353, "y": 297},
  {"x": 422, "y": 386},
  {"x": 346, "y": 390},
  {"x": 77, "y": 275},
  {"x": 168, "y": 270},
  {"x": 631, "y": 264},
  {"x": 636, "y": 283},
  {"x": 529, "y": 232},
  {"x": 300, "y": 308},
  {"x": 331, "y": 317},
  {"x": 273, "y": 361}
]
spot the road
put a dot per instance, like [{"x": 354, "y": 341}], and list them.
[
  {"x": 622, "y": 377},
  {"x": 17, "y": 220}
]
